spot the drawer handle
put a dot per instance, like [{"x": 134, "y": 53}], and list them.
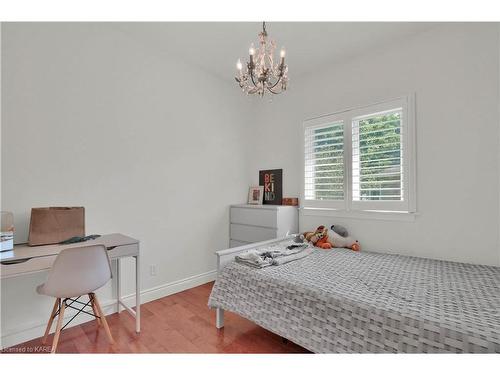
[
  {"x": 111, "y": 248},
  {"x": 18, "y": 261}
]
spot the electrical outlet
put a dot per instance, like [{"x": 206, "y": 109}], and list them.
[{"x": 152, "y": 270}]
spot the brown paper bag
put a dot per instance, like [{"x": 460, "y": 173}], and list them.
[{"x": 49, "y": 225}]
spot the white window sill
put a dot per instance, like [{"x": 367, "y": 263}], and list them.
[{"x": 366, "y": 215}]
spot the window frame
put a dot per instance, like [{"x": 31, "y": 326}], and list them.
[{"x": 408, "y": 204}]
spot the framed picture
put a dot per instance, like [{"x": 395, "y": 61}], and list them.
[
  {"x": 255, "y": 194},
  {"x": 272, "y": 180}
]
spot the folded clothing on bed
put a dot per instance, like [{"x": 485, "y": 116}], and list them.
[{"x": 274, "y": 255}]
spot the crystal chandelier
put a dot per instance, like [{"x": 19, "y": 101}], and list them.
[{"x": 262, "y": 73}]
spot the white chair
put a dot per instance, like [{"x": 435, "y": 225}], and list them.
[{"x": 76, "y": 272}]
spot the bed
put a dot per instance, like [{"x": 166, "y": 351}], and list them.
[{"x": 341, "y": 301}]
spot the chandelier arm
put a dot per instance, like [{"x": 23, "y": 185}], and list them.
[
  {"x": 274, "y": 85},
  {"x": 273, "y": 92},
  {"x": 253, "y": 80}
]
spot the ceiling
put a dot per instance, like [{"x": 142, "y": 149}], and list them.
[{"x": 216, "y": 46}]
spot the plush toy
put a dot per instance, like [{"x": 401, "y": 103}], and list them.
[
  {"x": 339, "y": 229},
  {"x": 327, "y": 239},
  {"x": 318, "y": 237},
  {"x": 336, "y": 240}
]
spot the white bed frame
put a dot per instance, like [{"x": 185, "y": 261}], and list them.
[{"x": 226, "y": 256}]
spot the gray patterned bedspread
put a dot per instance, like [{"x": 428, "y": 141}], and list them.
[{"x": 341, "y": 301}]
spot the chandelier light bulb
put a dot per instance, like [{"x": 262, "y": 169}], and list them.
[
  {"x": 282, "y": 52},
  {"x": 239, "y": 65},
  {"x": 251, "y": 50}
]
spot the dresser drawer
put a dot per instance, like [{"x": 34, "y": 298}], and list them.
[
  {"x": 254, "y": 216},
  {"x": 248, "y": 233},
  {"x": 28, "y": 266}
]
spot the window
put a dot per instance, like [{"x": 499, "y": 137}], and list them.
[
  {"x": 324, "y": 168},
  {"x": 361, "y": 159}
]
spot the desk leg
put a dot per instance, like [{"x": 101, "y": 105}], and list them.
[
  {"x": 118, "y": 286},
  {"x": 137, "y": 294}
]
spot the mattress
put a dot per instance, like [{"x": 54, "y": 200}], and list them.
[{"x": 340, "y": 301}]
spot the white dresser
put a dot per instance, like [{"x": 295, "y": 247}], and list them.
[{"x": 253, "y": 223}]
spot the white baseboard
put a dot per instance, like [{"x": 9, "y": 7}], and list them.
[{"x": 33, "y": 330}]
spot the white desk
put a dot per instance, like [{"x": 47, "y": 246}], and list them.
[{"x": 25, "y": 260}]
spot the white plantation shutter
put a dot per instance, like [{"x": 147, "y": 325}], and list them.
[
  {"x": 324, "y": 164},
  {"x": 362, "y": 159},
  {"x": 377, "y": 157}
]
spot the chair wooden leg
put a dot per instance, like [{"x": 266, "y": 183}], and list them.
[
  {"x": 58, "y": 327},
  {"x": 103, "y": 319},
  {"x": 96, "y": 313},
  {"x": 51, "y": 320}
]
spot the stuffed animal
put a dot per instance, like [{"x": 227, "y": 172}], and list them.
[
  {"x": 336, "y": 240},
  {"x": 318, "y": 237},
  {"x": 339, "y": 229},
  {"x": 327, "y": 239}
]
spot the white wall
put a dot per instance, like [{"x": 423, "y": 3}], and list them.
[
  {"x": 453, "y": 70},
  {"x": 152, "y": 147}
]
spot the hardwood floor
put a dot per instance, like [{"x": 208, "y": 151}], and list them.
[{"x": 180, "y": 323}]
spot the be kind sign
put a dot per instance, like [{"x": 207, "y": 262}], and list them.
[{"x": 272, "y": 180}]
